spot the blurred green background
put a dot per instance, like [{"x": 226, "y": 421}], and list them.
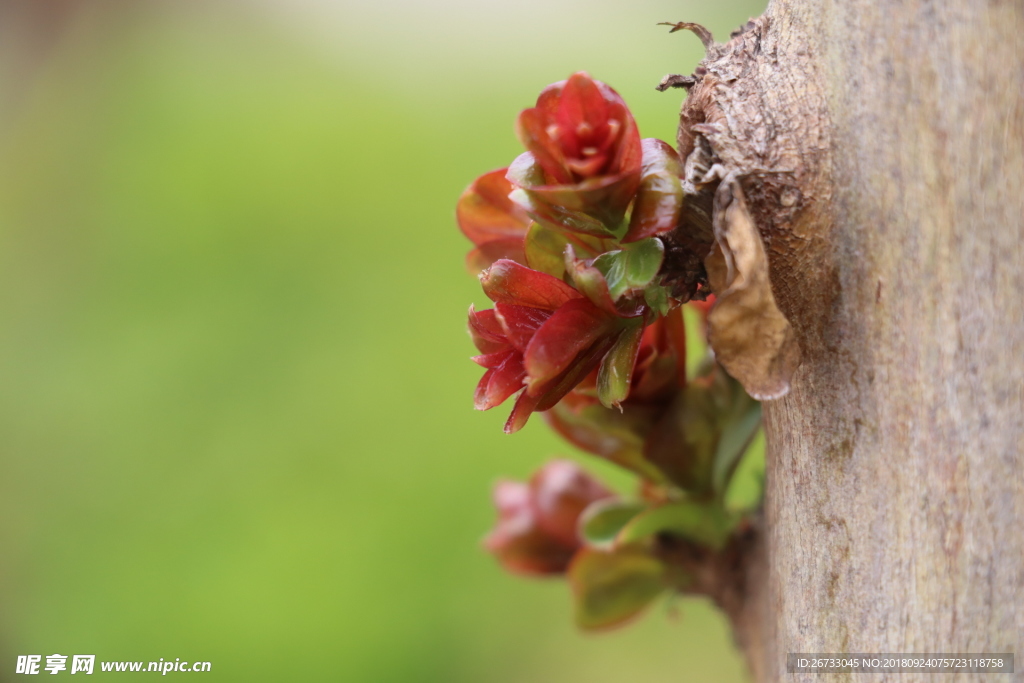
[{"x": 235, "y": 394}]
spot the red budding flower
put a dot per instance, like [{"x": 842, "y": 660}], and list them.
[
  {"x": 542, "y": 337},
  {"x": 587, "y": 327},
  {"x": 537, "y": 529},
  {"x": 573, "y": 284}
]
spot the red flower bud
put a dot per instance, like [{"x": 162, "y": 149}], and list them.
[
  {"x": 541, "y": 333},
  {"x": 584, "y": 160},
  {"x": 536, "y": 532},
  {"x": 580, "y": 129}
]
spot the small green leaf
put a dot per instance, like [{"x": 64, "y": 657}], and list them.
[
  {"x": 601, "y": 522},
  {"x": 613, "y": 379},
  {"x": 738, "y": 430},
  {"x": 633, "y": 267},
  {"x": 707, "y": 524},
  {"x": 656, "y": 297},
  {"x": 610, "y": 587},
  {"x": 544, "y": 248}
]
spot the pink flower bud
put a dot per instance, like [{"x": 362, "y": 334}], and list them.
[{"x": 536, "y": 531}]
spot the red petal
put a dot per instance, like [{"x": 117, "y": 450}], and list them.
[
  {"x": 547, "y": 101},
  {"x": 508, "y": 282},
  {"x": 517, "y": 541},
  {"x": 572, "y": 329},
  {"x": 504, "y": 380},
  {"x": 629, "y": 156},
  {"x": 481, "y": 389},
  {"x": 485, "y": 213},
  {"x": 584, "y": 364},
  {"x": 583, "y": 103},
  {"x": 559, "y": 387},
  {"x": 532, "y": 130},
  {"x": 493, "y": 360},
  {"x": 486, "y": 331},
  {"x": 588, "y": 166},
  {"x": 561, "y": 490},
  {"x": 521, "y": 411},
  {"x": 520, "y": 323},
  {"x": 510, "y": 497}
]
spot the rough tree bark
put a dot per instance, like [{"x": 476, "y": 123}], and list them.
[{"x": 880, "y": 144}]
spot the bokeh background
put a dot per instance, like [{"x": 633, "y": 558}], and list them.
[{"x": 235, "y": 395}]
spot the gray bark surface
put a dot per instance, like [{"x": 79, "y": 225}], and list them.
[{"x": 881, "y": 144}]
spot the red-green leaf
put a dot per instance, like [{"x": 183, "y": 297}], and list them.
[
  {"x": 704, "y": 523},
  {"x": 601, "y": 522},
  {"x": 611, "y": 587},
  {"x": 594, "y": 206},
  {"x": 485, "y": 213},
  {"x": 659, "y": 199},
  {"x": 585, "y": 363},
  {"x": 739, "y": 426},
  {"x": 569, "y": 331},
  {"x": 544, "y": 248},
  {"x": 609, "y": 434},
  {"x": 633, "y": 267},
  {"x": 682, "y": 444},
  {"x": 511, "y": 283}
]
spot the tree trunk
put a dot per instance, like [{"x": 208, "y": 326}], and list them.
[{"x": 881, "y": 146}]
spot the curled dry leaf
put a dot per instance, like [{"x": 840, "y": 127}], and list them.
[{"x": 750, "y": 336}]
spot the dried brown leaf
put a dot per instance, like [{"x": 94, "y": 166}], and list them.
[{"x": 750, "y": 336}]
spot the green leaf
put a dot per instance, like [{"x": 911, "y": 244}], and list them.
[
  {"x": 544, "y": 248},
  {"x": 633, "y": 267},
  {"x": 738, "y": 430},
  {"x": 601, "y": 522},
  {"x": 610, "y": 587},
  {"x": 613, "y": 379},
  {"x": 704, "y": 523},
  {"x": 656, "y": 297}
]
